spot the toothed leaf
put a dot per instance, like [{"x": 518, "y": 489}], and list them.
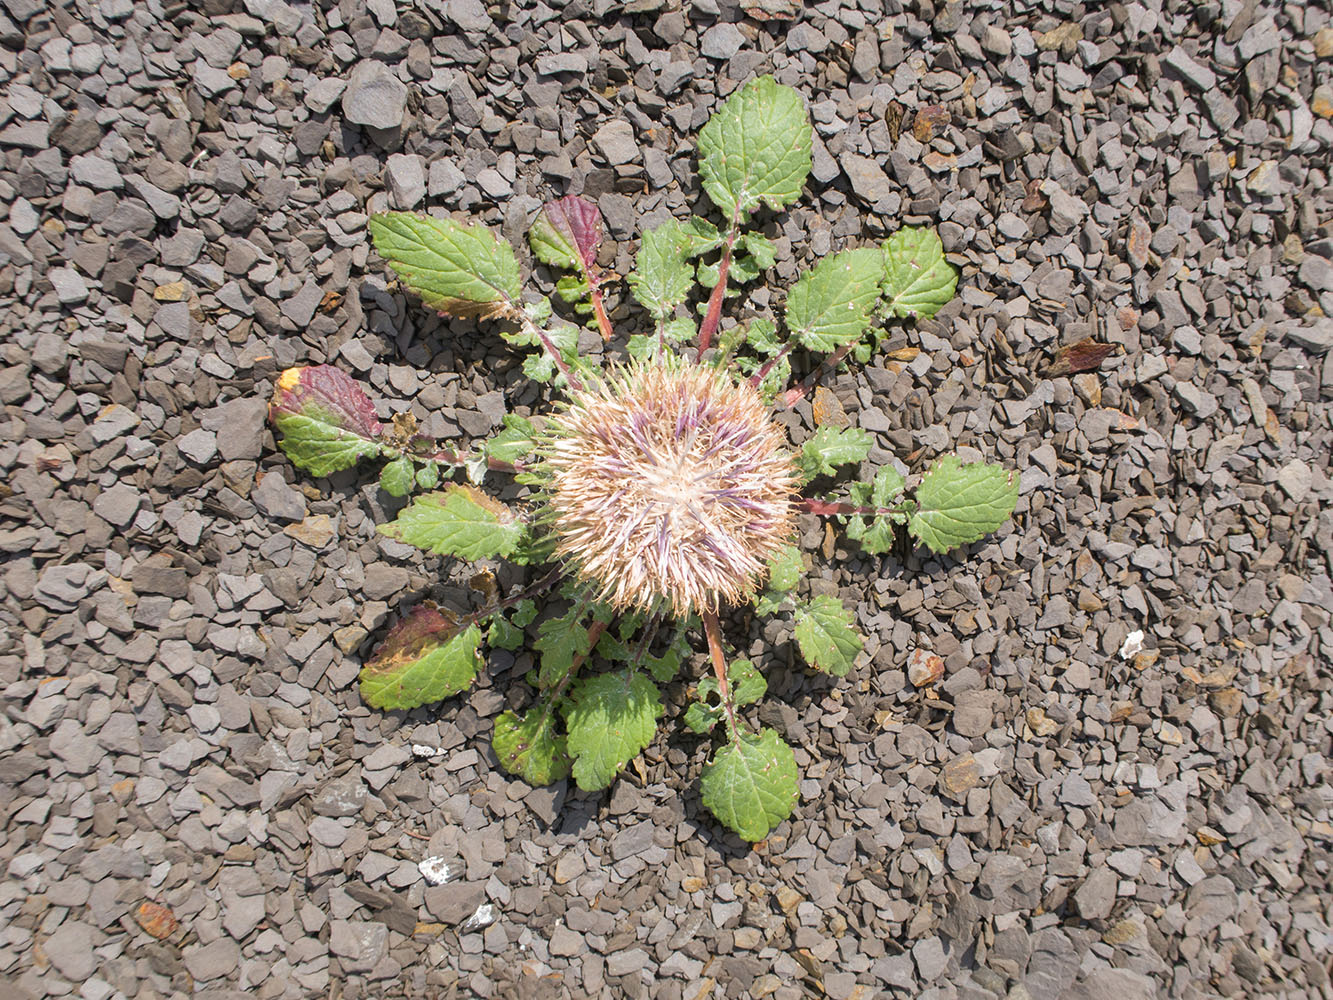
[
  {"x": 824, "y": 632},
  {"x": 661, "y": 278},
  {"x": 832, "y": 304},
  {"x": 830, "y": 447},
  {"x": 958, "y": 504},
  {"x": 918, "y": 281},
  {"x": 756, "y": 149},
  {"x": 327, "y": 424},
  {"x": 530, "y": 748},
  {"x": 425, "y": 658},
  {"x": 875, "y": 532},
  {"x": 610, "y": 718},
  {"x": 751, "y": 784},
  {"x": 458, "y": 270},
  {"x": 458, "y": 521}
]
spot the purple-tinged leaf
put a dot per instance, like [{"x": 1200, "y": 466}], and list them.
[
  {"x": 327, "y": 423},
  {"x": 426, "y": 657},
  {"x": 567, "y": 233}
]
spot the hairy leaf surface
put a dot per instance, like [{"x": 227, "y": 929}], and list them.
[
  {"x": 661, "y": 278},
  {"x": 458, "y": 270},
  {"x": 832, "y": 304},
  {"x": 326, "y": 422},
  {"x": 397, "y": 477},
  {"x": 425, "y": 658},
  {"x": 875, "y": 532},
  {"x": 830, "y": 447},
  {"x": 610, "y": 718},
  {"x": 756, "y": 149},
  {"x": 458, "y": 521},
  {"x": 918, "y": 281},
  {"x": 828, "y": 640},
  {"x": 531, "y": 748},
  {"x": 958, "y": 504},
  {"x": 750, "y": 784}
]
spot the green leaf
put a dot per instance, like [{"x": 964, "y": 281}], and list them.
[
  {"x": 559, "y": 641},
  {"x": 770, "y": 602},
  {"x": 428, "y": 475},
  {"x": 747, "y": 686},
  {"x": 755, "y": 149},
  {"x": 458, "y": 270},
  {"x": 539, "y": 367},
  {"x": 327, "y": 423},
  {"x": 918, "y": 281},
  {"x": 762, "y": 250},
  {"x": 957, "y": 503},
  {"x": 875, "y": 532},
  {"x": 503, "y": 634},
  {"x": 828, "y": 640},
  {"x": 397, "y": 477},
  {"x": 679, "y": 330},
  {"x": 610, "y": 718},
  {"x": 750, "y": 784},
  {"x": 832, "y": 303},
  {"x": 458, "y": 521},
  {"x": 665, "y": 667},
  {"x": 701, "y": 717},
  {"x": 530, "y": 748},
  {"x": 571, "y": 288},
  {"x": 830, "y": 447},
  {"x": 747, "y": 683},
  {"x": 761, "y": 336},
  {"x": 514, "y": 441},
  {"x": 661, "y": 278},
  {"x": 785, "y": 569},
  {"x": 426, "y": 657}
]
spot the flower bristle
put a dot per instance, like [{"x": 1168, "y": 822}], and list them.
[{"x": 669, "y": 485}]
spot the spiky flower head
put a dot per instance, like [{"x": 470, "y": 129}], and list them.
[{"x": 670, "y": 486}]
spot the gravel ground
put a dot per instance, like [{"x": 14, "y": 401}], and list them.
[{"x": 1119, "y": 788}]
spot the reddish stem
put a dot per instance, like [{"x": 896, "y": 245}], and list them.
[
  {"x": 713, "y": 630},
  {"x": 795, "y": 395},
  {"x": 531, "y": 590},
  {"x": 714, "y": 314},
  {"x": 603, "y": 321},
  {"x": 757, "y": 379},
  {"x": 814, "y": 505}
]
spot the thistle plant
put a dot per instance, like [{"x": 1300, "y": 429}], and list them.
[{"x": 661, "y": 494}]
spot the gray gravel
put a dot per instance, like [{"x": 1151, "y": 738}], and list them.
[{"x": 1088, "y": 759}]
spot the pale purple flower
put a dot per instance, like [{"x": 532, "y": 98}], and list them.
[{"x": 670, "y": 486}]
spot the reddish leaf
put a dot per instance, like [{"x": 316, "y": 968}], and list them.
[
  {"x": 1084, "y": 356},
  {"x": 425, "y": 626},
  {"x": 330, "y": 394},
  {"x": 327, "y": 423},
  {"x": 578, "y": 224}
]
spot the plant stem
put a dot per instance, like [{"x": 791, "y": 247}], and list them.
[
  {"x": 520, "y": 317},
  {"x": 447, "y": 456},
  {"x": 814, "y": 505},
  {"x": 757, "y": 379},
  {"x": 595, "y": 631},
  {"x": 603, "y": 321},
  {"x": 532, "y": 590},
  {"x": 714, "y": 314},
  {"x": 713, "y": 630},
  {"x": 794, "y": 395}
]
